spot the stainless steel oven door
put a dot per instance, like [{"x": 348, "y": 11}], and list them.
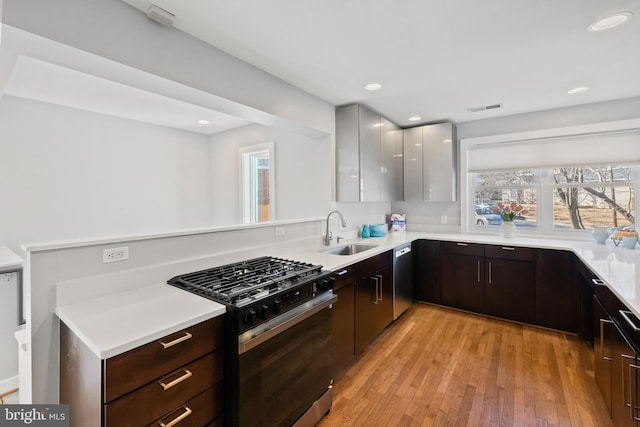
[{"x": 285, "y": 365}]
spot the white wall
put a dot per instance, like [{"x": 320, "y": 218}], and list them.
[
  {"x": 70, "y": 174},
  {"x": 302, "y": 173}
]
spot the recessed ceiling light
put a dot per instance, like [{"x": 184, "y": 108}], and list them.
[
  {"x": 203, "y": 122},
  {"x": 414, "y": 118},
  {"x": 576, "y": 90},
  {"x": 373, "y": 86},
  {"x": 611, "y": 21}
]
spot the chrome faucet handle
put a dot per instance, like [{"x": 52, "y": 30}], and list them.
[
  {"x": 339, "y": 238},
  {"x": 330, "y": 236}
]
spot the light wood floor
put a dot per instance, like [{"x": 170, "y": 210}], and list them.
[{"x": 441, "y": 367}]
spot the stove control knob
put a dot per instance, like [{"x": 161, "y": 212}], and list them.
[
  {"x": 277, "y": 306},
  {"x": 325, "y": 284},
  {"x": 263, "y": 311},
  {"x": 249, "y": 317}
]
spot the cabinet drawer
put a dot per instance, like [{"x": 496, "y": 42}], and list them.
[
  {"x": 343, "y": 277},
  {"x": 373, "y": 264},
  {"x": 509, "y": 252},
  {"x": 135, "y": 368},
  {"x": 199, "y": 411},
  {"x": 166, "y": 393},
  {"x": 462, "y": 248}
]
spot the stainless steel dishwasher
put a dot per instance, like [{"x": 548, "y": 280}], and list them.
[{"x": 402, "y": 279}]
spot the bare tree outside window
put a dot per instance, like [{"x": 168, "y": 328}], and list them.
[{"x": 586, "y": 196}]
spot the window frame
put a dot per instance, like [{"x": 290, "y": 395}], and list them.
[
  {"x": 247, "y": 169},
  {"x": 545, "y": 180}
]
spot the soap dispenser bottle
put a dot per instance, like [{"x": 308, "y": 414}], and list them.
[{"x": 366, "y": 233}]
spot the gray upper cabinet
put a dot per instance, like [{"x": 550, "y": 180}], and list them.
[
  {"x": 368, "y": 149},
  {"x": 430, "y": 163},
  {"x": 413, "y": 164},
  {"x": 393, "y": 172}
]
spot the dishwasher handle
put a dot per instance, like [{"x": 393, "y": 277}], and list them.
[{"x": 403, "y": 251}]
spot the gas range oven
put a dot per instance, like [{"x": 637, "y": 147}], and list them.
[{"x": 277, "y": 338}]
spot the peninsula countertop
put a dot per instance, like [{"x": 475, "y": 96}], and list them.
[{"x": 121, "y": 321}]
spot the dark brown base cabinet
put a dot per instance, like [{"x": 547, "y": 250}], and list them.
[
  {"x": 615, "y": 349},
  {"x": 364, "y": 307},
  {"x": 462, "y": 275},
  {"x": 510, "y": 283},
  {"x": 535, "y": 286},
  {"x": 343, "y": 326},
  {"x": 426, "y": 270},
  {"x": 168, "y": 381},
  {"x": 557, "y": 295},
  {"x": 373, "y": 298}
]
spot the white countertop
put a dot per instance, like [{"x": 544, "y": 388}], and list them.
[
  {"x": 8, "y": 259},
  {"x": 116, "y": 323},
  {"x": 619, "y": 268}
]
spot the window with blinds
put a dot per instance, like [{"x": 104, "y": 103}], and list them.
[{"x": 566, "y": 184}]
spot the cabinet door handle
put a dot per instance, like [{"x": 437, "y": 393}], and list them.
[
  {"x": 489, "y": 272},
  {"x": 602, "y": 322},
  {"x": 379, "y": 283},
  {"x": 598, "y": 282},
  {"x": 478, "y": 271},
  {"x": 186, "y": 336},
  {"x": 187, "y": 374},
  {"x": 341, "y": 272},
  {"x": 177, "y": 419},
  {"x": 461, "y": 244},
  {"x": 628, "y": 319},
  {"x": 633, "y": 388},
  {"x": 508, "y": 248},
  {"x": 375, "y": 282},
  {"x": 627, "y": 365}
]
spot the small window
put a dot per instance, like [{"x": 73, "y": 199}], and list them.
[{"x": 258, "y": 188}]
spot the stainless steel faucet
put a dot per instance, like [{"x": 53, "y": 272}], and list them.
[{"x": 329, "y": 236}]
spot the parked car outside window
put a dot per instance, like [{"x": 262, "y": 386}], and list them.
[{"x": 485, "y": 216}]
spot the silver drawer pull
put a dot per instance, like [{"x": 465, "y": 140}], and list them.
[
  {"x": 507, "y": 248},
  {"x": 342, "y": 272},
  {"x": 187, "y": 374},
  {"x": 598, "y": 282},
  {"x": 176, "y": 420},
  {"x": 629, "y": 321},
  {"x": 461, "y": 244},
  {"x": 186, "y": 336}
]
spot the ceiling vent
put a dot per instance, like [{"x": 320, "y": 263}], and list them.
[
  {"x": 160, "y": 15},
  {"x": 485, "y": 108}
]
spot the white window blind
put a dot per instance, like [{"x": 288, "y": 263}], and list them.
[{"x": 614, "y": 148}]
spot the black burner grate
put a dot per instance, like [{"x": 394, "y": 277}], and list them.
[{"x": 252, "y": 278}]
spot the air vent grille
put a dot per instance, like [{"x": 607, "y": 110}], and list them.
[{"x": 485, "y": 108}]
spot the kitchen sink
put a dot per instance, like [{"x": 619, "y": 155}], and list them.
[{"x": 350, "y": 249}]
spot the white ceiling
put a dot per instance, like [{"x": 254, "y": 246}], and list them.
[{"x": 434, "y": 58}]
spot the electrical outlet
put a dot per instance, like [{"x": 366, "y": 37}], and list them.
[
  {"x": 443, "y": 219},
  {"x": 115, "y": 254},
  {"x": 279, "y": 231}
]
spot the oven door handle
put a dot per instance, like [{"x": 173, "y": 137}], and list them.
[{"x": 254, "y": 337}]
